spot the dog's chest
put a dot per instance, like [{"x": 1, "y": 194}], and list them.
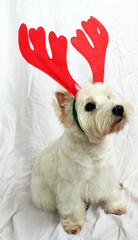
[{"x": 85, "y": 166}]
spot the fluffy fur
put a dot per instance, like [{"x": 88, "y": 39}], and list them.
[{"x": 77, "y": 168}]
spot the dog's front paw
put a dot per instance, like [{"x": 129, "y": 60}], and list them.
[
  {"x": 118, "y": 210},
  {"x": 73, "y": 229}
]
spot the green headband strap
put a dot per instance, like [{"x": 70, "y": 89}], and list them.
[{"x": 75, "y": 115}]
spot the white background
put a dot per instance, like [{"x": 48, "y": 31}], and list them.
[{"x": 28, "y": 122}]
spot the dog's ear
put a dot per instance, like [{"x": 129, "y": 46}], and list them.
[
  {"x": 63, "y": 98},
  {"x": 63, "y": 104}
]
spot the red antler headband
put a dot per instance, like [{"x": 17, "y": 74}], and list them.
[{"x": 57, "y": 66}]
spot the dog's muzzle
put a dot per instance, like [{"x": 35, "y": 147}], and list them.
[{"x": 118, "y": 110}]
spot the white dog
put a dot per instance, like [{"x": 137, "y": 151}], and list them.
[{"x": 79, "y": 167}]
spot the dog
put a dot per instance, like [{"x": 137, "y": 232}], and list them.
[{"x": 79, "y": 167}]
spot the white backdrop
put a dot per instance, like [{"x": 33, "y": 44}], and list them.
[{"x": 28, "y": 122}]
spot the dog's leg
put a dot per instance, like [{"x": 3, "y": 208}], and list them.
[
  {"x": 71, "y": 209},
  {"x": 73, "y": 221},
  {"x": 113, "y": 205},
  {"x": 42, "y": 195}
]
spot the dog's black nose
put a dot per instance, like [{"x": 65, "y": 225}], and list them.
[{"x": 118, "y": 110}]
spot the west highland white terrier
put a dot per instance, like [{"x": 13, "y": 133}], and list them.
[{"x": 79, "y": 167}]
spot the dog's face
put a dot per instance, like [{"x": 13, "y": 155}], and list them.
[{"x": 98, "y": 111}]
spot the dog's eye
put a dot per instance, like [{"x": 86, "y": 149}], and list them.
[{"x": 90, "y": 106}]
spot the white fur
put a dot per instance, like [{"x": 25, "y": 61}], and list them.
[{"x": 78, "y": 168}]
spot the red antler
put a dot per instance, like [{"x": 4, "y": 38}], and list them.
[
  {"x": 95, "y": 56},
  {"x": 55, "y": 67}
]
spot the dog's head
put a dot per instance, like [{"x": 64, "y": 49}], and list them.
[{"x": 98, "y": 112}]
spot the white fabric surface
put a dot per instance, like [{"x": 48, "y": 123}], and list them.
[{"x": 28, "y": 122}]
